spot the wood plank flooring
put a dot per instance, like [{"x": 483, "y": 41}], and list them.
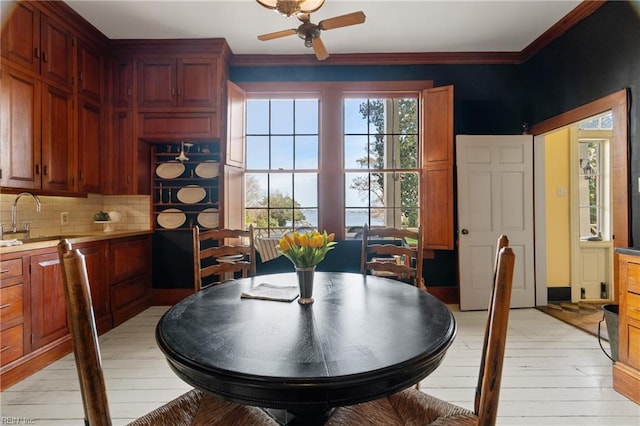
[{"x": 554, "y": 374}]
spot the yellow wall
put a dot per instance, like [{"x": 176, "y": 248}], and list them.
[{"x": 557, "y": 212}]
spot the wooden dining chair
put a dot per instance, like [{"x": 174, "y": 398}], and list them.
[
  {"x": 193, "y": 407},
  {"x": 394, "y": 253},
  {"x": 412, "y": 406},
  {"x": 218, "y": 254}
]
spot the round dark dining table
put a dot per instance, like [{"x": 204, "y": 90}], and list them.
[{"x": 364, "y": 338}]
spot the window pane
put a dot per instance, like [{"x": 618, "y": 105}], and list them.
[
  {"x": 282, "y": 117},
  {"x": 307, "y": 219},
  {"x": 306, "y": 189},
  {"x": 355, "y": 116},
  {"x": 357, "y": 190},
  {"x": 306, "y": 116},
  {"x": 257, "y": 152},
  {"x": 258, "y": 117},
  {"x": 281, "y": 152},
  {"x": 306, "y": 152},
  {"x": 355, "y": 152},
  {"x": 256, "y": 185},
  {"x": 280, "y": 184}
]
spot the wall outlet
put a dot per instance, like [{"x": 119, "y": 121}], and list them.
[{"x": 64, "y": 218}]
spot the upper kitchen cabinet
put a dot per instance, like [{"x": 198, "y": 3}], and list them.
[
  {"x": 35, "y": 133},
  {"x": 188, "y": 82},
  {"x": 37, "y": 42},
  {"x": 90, "y": 72},
  {"x": 122, "y": 81}
]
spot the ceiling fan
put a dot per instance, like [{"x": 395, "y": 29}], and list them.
[{"x": 310, "y": 32}]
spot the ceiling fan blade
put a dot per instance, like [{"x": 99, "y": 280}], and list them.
[
  {"x": 319, "y": 49},
  {"x": 277, "y": 34},
  {"x": 342, "y": 21}
]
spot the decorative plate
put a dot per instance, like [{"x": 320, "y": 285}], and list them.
[
  {"x": 191, "y": 194},
  {"x": 170, "y": 169},
  {"x": 208, "y": 218},
  {"x": 207, "y": 169},
  {"x": 171, "y": 218}
]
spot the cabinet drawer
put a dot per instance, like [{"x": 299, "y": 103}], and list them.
[
  {"x": 11, "y": 268},
  {"x": 10, "y": 303},
  {"x": 633, "y": 277},
  {"x": 128, "y": 292},
  {"x": 634, "y": 345},
  {"x": 633, "y": 306},
  {"x": 12, "y": 346}
]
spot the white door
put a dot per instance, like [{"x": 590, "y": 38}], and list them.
[{"x": 495, "y": 196}]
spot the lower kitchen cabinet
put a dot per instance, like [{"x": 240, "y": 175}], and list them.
[
  {"x": 48, "y": 306},
  {"x": 33, "y": 312}
]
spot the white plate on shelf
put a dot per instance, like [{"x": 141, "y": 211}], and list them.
[
  {"x": 170, "y": 169},
  {"x": 231, "y": 258},
  {"x": 171, "y": 218},
  {"x": 191, "y": 194},
  {"x": 208, "y": 218},
  {"x": 207, "y": 169}
]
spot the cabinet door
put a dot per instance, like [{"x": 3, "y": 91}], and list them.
[
  {"x": 90, "y": 65},
  {"x": 196, "y": 83},
  {"x": 58, "y": 170},
  {"x": 129, "y": 259},
  {"x": 123, "y": 84},
  {"x": 89, "y": 146},
  {"x": 157, "y": 83},
  {"x": 97, "y": 258},
  {"x": 20, "y": 40},
  {"x": 122, "y": 158},
  {"x": 48, "y": 305},
  {"x": 20, "y": 110},
  {"x": 57, "y": 51}
]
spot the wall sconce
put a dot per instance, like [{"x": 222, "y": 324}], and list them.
[{"x": 292, "y": 7}]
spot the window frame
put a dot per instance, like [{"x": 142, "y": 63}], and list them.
[{"x": 331, "y": 170}]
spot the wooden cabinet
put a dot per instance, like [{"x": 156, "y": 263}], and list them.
[
  {"x": 58, "y": 165},
  {"x": 626, "y": 372},
  {"x": 96, "y": 257},
  {"x": 12, "y": 310},
  {"x": 130, "y": 278},
  {"x": 122, "y": 164},
  {"x": 182, "y": 82},
  {"x": 37, "y": 42},
  {"x": 90, "y": 147},
  {"x": 122, "y": 82},
  {"x": 90, "y": 72},
  {"x": 48, "y": 305},
  {"x": 20, "y": 127}
]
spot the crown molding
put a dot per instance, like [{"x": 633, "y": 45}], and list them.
[{"x": 580, "y": 12}]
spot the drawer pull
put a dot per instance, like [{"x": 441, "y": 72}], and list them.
[
  {"x": 6, "y": 305},
  {"x": 4, "y": 349},
  {"x": 4, "y": 271}
]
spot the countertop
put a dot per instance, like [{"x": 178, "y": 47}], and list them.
[
  {"x": 635, "y": 251},
  {"x": 74, "y": 238}
]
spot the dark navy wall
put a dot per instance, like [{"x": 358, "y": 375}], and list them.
[{"x": 597, "y": 57}]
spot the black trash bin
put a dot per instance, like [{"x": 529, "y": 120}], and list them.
[{"x": 610, "y": 316}]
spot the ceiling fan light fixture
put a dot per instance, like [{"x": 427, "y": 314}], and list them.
[{"x": 292, "y": 7}]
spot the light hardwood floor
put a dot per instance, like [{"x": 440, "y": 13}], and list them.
[{"x": 554, "y": 374}]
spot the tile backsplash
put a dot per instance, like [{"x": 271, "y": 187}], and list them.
[{"x": 134, "y": 211}]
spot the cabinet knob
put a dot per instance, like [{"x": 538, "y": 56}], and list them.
[{"x": 465, "y": 231}]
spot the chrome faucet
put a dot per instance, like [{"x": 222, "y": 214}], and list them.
[{"x": 14, "y": 214}]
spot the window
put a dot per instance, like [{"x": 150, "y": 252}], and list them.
[
  {"x": 336, "y": 155},
  {"x": 281, "y": 179},
  {"x": 381, "y": 162}
]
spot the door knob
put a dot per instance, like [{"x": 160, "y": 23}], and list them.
[{"x": 465, "y": 231}]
